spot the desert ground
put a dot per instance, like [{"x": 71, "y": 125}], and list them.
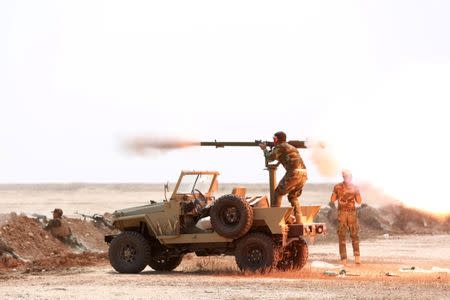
[
  {"x": 218, "y": 277},
  {"x": 401, "y": 259}
]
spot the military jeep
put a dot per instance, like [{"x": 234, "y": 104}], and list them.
[{"x": 261, "y": 238}]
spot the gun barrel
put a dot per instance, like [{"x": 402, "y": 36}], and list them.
[
  {"x": 297, "y": 144},
  {"x": 39, "y": 216},
  {"x": 229, "y": 144}
]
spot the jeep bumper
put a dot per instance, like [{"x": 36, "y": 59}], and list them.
[
  {"x": 296, "y": 230},
  {"x": 109, "y": 238}
]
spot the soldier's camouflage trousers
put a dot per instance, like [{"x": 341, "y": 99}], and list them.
[
  {"x": 72, "y": 242},
  {"x": 291, "y": 184},
  {"x": 348, "y": 221}
]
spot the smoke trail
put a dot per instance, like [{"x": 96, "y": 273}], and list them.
[
  {"x": 323, "y": 158},
  {"x": 147, "y": 145}
]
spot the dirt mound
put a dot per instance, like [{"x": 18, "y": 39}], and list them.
[
  {"x": 413, "y": 221},
  {"x": 392, "y": 219},
  {"x": 25, "y": 237}
]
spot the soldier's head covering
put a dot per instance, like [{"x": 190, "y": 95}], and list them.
[
  {"x": 346, "y": 172},
  {"x": 347, "y": 175},
  {"x": 58, "y": 211},
  {"x": 281, "y": 136}
]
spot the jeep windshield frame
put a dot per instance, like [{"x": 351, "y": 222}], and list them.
[{"x": 189, "y": 181}]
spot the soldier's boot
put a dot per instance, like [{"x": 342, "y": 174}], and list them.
[
  {"x": 298, "y": 218},
  {"x": 344, "y": 261},
  {"x": 297, "y": 210},
  {"x": 355, "y": 242},
  {"x": 298, "y": 214}
]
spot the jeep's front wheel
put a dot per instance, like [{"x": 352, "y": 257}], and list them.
[
  {"x": 256, "y": 252},
  {"x": 294, "y": 256},
  {"x": 129, "y": 252}
]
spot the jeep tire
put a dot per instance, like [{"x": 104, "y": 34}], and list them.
[
  {"x": 129, "y": 252},
  {"x": 162, "y": 260},
  {"x": 256, "y": 252},
  {"x": 231, "y": 216},
  {"x": 294, "y": 256}
]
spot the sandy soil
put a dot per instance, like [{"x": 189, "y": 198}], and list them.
[{"x": 218, "y": 278}]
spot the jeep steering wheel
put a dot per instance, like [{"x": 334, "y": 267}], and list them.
[{"x": 201, "y": 199}]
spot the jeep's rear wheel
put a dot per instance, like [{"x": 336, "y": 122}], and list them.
[
  {"x": 294, "y": 256},
  {"x": 129, "y": 252},
  {"x": 231, "y": 216},
  {"x": 163, "y": 260},
  {"x": 256, "y": 252}
]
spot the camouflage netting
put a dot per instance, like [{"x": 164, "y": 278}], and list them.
[{"x": 36, "y": 248}]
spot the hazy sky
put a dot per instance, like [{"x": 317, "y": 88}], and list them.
[{"x": 77, "y": 77}]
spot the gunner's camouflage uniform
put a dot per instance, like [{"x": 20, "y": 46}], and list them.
[
  {"x": 295, "y": 178},
  {"x": 346, "y": 195},
  {"x": 60, "y": 229}
]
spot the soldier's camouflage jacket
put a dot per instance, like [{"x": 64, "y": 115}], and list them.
[
  {"x": 287, "y": 155},
  {"x": 346, "y": 195},
  {"x": 59, "y": 228}
]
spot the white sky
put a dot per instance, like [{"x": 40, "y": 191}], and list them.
[{"x": 76, "y": 77}]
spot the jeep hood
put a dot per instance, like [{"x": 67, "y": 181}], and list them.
[{"x": 138, "y": 210}]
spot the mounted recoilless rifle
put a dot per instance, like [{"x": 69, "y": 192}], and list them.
[{"x": 271, "y": 167}]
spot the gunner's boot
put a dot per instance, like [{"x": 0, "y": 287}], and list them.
[
  {"x": 298, "y": 218},
  {"x": 297, "y": 211},
  {"x": 344, "y": 261},
  {"x": 357, "y": 260}
]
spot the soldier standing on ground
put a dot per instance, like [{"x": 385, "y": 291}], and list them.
[
  {"x": 295, "y": 178},
  {"x": 60, "y": 229},
  {"x": 347, "y": 194}
]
